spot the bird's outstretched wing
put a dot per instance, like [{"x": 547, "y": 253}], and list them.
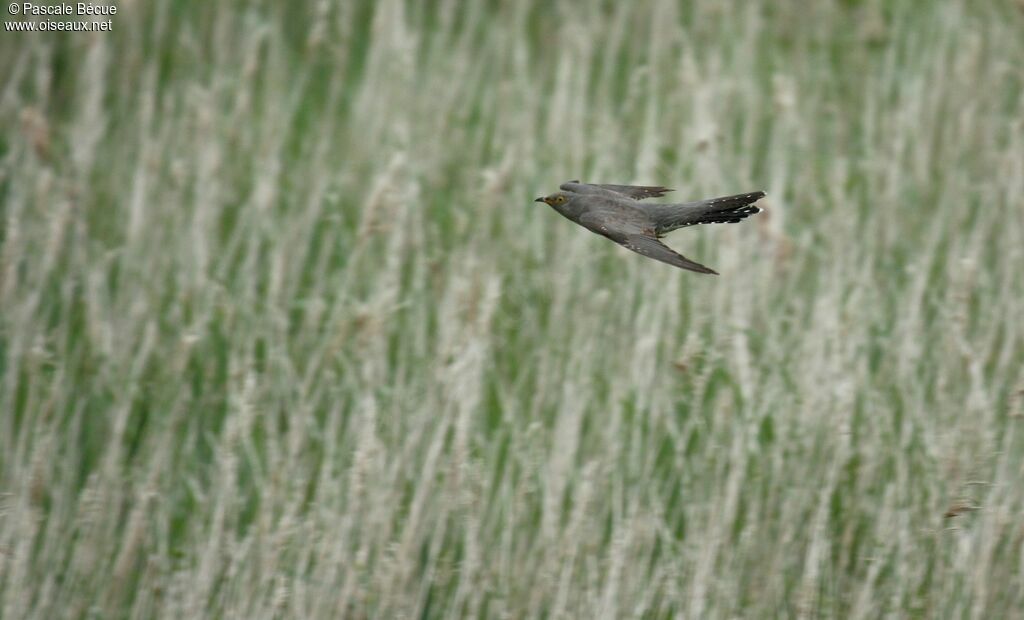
[
  {"x": 636, "y": 192},
  {"x": 652, "y": 248},
  {"x": 632, "y": 237}
]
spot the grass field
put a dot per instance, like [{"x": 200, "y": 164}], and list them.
[{"x": 283, "y": 335}]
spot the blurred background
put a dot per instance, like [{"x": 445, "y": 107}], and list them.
[{"x": 282, "y": 333}]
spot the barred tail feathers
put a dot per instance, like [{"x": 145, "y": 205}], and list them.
[{"x": 723, "y": 210}]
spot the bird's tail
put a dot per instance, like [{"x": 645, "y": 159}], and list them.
[{"x": 724, "y": 210}]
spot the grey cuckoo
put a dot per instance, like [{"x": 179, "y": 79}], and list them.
[{"x": 615, "y": 211}]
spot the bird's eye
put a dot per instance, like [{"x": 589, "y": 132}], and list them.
[{"x": 559, "y": 199}]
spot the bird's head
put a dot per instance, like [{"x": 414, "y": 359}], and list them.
[{"x": 555, "y": 200}]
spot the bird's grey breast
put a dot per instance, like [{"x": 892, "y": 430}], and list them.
[{"x": 623, "y": 209}]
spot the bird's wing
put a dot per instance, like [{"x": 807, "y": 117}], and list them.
[
  {"x": 636, "y": 192},
  {"x": 652, "y": 248},
  {"x": 632, "y": 237},
  {"x": 607, "y": 221}
]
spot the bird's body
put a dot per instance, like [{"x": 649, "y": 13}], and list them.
[{"x": 615, "y": 212}]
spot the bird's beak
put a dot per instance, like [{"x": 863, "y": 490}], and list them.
[{"x": 539, "y": 200}]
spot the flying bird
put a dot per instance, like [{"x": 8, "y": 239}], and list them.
[{"x": 615, "y": 211}]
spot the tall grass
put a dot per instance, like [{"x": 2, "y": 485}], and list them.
[{"x": 283, "y": 335}]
